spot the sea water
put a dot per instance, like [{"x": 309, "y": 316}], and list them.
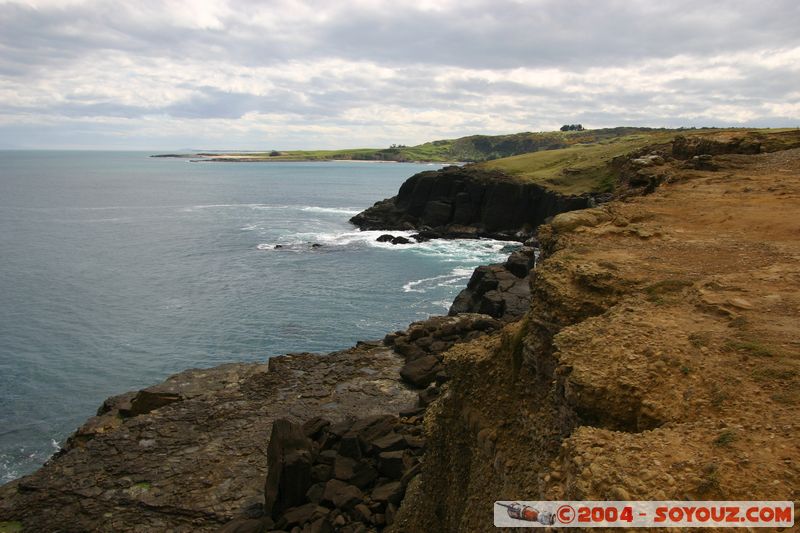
[{"x": 118, "y": 269}]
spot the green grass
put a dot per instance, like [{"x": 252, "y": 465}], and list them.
[
  {"x": 577, "y": 169},
  {"x": 10, "y": 527}
]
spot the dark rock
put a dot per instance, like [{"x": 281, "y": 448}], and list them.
[
  {"x": 412, "y": 412},
  {"x": 391, "y": 492},
  {"x": 521, "y": 262},
  {"x": 422, "y": 371},
  {"x": 297, "y": 516},
  {"x": 314, "y": 494},
  {"x": 327, "y": 457},
  {"x": 385, "y": 238},
  {"x": 390, "y": 442},
  {"x": 314, "y": 428},
  {"x": 356, "y": 473},
  {"x": 362, "y": 513},
  {"x": 501, "y": 291},
  {"x": 247, "y": 525},
  {"x": 370, "y": 428},
  {"x": 390, "y": 464},
  {"x": 349, "y": 446},
  {"x": 391, "y": 513},
  {"x": 459, "y": 201},
  {"x": 316, "y": 245},
  {"x": 321, "y": 472},
  {"x": 340, "y": 428},
  {"x": 341, "y": 495},
  {"x": 427, "y": 396},
  {"x": 400, "y": 240},
  {"x": 321, "y": 525},
  {"x": 277, "y": 247},
  {"x": 151, "y": 399},
  {"x": 289, "y": 457}
]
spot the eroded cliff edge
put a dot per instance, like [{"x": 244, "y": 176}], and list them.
[{"x": 660, "y": 358}]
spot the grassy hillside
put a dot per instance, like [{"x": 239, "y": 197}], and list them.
[
  {"x": 474, "y": 148},
  {"x": 586, "y": 167}
]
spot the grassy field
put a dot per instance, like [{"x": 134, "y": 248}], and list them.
[
  {"x": 474, "y": 148},
  {"x": 577, "y": 169},
  {"x": 586, "y": 167}
]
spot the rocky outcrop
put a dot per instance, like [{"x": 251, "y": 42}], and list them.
[
  {"x": 193, "y": 454},
  {"x": 467, "y": 202},
  {"x": 424, "y": 343},
  {"x": 347, "y": 477},
  {"x": 501, "y": 291}
]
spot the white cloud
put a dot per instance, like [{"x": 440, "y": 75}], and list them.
[{"x": 319, "y": 74}]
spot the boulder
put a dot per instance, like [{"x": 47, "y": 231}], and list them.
[
  {"x": 422, "y": 371},
  {"x": 391, "y": 492},
  {"x": 390, "y": 464},
  {"x": 400, "y": 240},
  {"x": 385, "y": 238},
  {"x": 341, "y": 495},
  {"x": 289, "y": 462},
  {"x": 356, "y": 473}
]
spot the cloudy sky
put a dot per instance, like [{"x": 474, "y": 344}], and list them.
[{"x": 284, "y": 74}]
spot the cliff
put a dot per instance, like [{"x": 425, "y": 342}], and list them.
[
  {"x": 467, "y": 201},
  {"x": 659, "y": 359}
]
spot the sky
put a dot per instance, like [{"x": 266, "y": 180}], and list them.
[{"x": 286, "y": 74}]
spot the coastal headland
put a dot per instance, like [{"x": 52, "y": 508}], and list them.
[{"x": 656, "y": 356}]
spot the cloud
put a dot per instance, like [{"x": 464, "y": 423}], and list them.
[{"x": 287, "y": 73}]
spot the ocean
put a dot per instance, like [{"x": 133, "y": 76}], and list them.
[{"x": 118, "y": 269}]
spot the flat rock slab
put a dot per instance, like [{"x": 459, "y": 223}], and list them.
[{"x": 195, "y": 462}]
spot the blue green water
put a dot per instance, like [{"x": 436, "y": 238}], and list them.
[{"x": 117, "y": 270}]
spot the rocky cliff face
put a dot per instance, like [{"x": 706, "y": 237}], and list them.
[
  {"x": 657, "y": 360},
  {"x": 466, "y": 201}
]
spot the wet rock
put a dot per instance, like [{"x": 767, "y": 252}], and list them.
[
  {"x": 400, "y": 240},
  {"x": 386, "y": 237},
  {"x": 289, "y": 460}
]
